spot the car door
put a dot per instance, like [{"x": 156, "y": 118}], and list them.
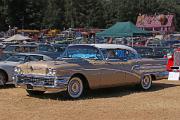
[
  {"x": 132, "y": 68},
  {"x": 112, "y": 73}
]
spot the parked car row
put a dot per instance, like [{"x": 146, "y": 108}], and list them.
[{"x": 53, "y": 51}]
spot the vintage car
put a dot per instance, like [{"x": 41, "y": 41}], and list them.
[
  {"x": 52, "y": 51},
  {"x": 88, "y": 66},
  {"x": 154, "y": 52},
  {"x": 7, "y": 66},
  {"x": 173, "y": 60},
  {"x": 173, "y": 65}
]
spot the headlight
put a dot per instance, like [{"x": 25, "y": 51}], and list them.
[
  {"x": 17, "y": 70},
  {"x": 51, "y": 72}
]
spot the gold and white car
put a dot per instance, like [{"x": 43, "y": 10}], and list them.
[{"x": 88, "y": 66}]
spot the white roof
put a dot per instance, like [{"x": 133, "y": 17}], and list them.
[
  {"x": 17, "y": 37},
  {"x": 111, "y": 46}
]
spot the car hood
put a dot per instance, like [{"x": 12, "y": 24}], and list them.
[
  {"x": 41, "y": 67},
  {"x": 8, "y": 63}
]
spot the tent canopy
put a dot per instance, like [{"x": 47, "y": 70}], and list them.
[
  {"x": 123, "y": 29},
  {"x": 16, "y": 37}
]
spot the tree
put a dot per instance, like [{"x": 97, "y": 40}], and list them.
[
  {"x": 54, "y": 14},
  {"x": 37, "y": 14},
  {"x": 3, "y": 15}
]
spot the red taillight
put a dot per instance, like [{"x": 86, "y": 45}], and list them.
[{"x": 170, "y": 62}]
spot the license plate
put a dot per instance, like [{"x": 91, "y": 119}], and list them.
[
  {"x": 29, "y": 87},
  {"x": 174, "y": 76}
]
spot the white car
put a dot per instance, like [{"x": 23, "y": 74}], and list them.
[{"x": 7, "y": 66}]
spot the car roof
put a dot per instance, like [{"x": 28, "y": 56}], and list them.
[
  {"x": 27, "y": 45},
  {"x": 108, "y": 46},
  {"x": 29, "y": 54}
]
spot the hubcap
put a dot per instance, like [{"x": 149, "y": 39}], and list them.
[
  {"x": 75, "y": 88},
  {"x": 146, "y": 82}
]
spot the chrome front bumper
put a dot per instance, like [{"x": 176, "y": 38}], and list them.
[{"x": 41, "y": 83}]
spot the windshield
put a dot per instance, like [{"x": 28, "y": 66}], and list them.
[
  {"x": 47, "y": 48},
  {"x": 16, "y": 58},
  {"x": 10, "y": 48},
  {"x": 85, "y": 52}
]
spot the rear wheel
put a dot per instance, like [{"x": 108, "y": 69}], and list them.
[
  {"x": 146, "y": 82},
  {"x": 76, "y": 88},
  {"x": 32, "y": 93},
  {"x": 3, "y": 78}
]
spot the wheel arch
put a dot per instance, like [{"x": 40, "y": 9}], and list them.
[
  {"x": 83, "y": 78},
  {"x": 153, "y": 77},
  {"x": 7, "y": 77}
]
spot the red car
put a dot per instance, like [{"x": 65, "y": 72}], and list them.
[{"x": 173, "y": 60}]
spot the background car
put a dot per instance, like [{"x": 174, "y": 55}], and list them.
[
  {"x": 154, "y": 52},
  {"x": 7, "y": 66},
  {"x": 50, "y": 50}
]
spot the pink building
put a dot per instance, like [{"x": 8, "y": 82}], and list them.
[{"x": 157, "y": 23}]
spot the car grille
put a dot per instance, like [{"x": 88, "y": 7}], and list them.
[
  {"x": 177, "y": 58},
  {"x": 36, "y": 81}
]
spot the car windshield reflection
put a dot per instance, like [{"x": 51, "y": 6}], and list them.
[{"x": 83, "y": 53}]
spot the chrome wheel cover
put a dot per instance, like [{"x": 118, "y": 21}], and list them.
[
  {"x": 75, "y": 87},
  {"x": 146, "y": 82}
]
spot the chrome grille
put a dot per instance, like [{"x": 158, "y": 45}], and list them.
[
  {"x": 177, "y": 58},
  {"x": 36, "y": 81}
]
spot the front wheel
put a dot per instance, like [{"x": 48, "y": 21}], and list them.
[
  {"x": 146, "y": 82},
  {"x": 75, "y": 88},
  {"x": 32, "y": 93}
]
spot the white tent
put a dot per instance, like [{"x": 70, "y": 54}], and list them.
[{"x": 17, "y": 37}]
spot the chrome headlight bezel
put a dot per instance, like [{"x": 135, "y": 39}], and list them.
[
  {"x": 51, "y": 72},
  {"x": 17, "y": 70}
]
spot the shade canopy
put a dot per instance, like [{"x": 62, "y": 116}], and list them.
[
  {"x": 17, "y": 37},
  {"x": 123, "y": 29}
]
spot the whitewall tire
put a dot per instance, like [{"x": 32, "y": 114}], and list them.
[
  {"x": 146, "y": 82},
  {"x": 75, "y": 88}
]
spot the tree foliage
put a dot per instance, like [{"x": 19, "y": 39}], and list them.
[{"x": 40, "y": 14}]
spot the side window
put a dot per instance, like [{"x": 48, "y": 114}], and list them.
[
  {"x": 120, "y": 54},
  {"x": 131, "y": 55},
  {"x": 116, "y": 54},
  {"x": 35, "y": 58}
]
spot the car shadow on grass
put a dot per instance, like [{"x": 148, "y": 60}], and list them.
[
  {"x": 8, "y": 86},
  {"x": 107, "y": 93}
]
